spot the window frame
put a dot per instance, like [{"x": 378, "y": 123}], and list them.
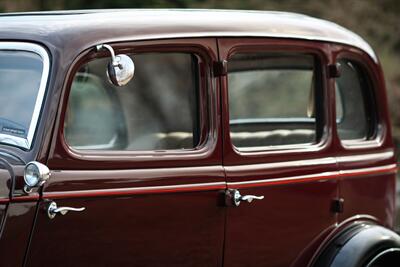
[
  {"x": 320, "y": 124},
  {"x": 375, "y": 130},
  {"x": 207, "y": 107}
]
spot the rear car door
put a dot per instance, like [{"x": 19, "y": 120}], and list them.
[
  {"x": 365, "y": 148},
  {"x": 278, "y": 153},
  {"x": 143, "y": 160}
]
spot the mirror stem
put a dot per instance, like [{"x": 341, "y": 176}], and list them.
[{"x": 109, "y": 48}]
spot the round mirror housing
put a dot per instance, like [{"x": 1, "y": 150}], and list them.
[
  {"x": 121, "y": 68},
  {"x": 35, "y": 175}
]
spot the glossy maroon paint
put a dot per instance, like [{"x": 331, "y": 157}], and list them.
[
  {"x": 16, "y": 230},
  {"x": 262, "y": 231},
  {"x": 166, "y": 208},
  {"x": 373, "y": 194},
  {"x": 173, "y": 210},
  {"x": 145, "y": 230}
]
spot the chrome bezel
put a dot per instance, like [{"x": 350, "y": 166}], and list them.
[
  {"x": 26, "y": 143},
  {"x": 43, "y": 175}
]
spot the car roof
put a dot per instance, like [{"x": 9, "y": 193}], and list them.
[{"x": 85, "y": 28}]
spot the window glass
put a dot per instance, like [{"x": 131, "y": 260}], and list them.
[
  {"x": 20, "y": 77},
  {"x": 353, "y": 121},
  {"x": 157, "y": 110},
  {"x": 271, "y": 99},
  {"x": 339, "y": 105}
]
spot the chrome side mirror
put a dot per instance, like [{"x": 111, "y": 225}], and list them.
[
  {"x": 35, "y": 175},
  {"x": 121, "y": 68}
]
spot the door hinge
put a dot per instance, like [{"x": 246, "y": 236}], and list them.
[
  {"x": 220, "y": 68},
  {"x": 334, "y": 70},
  {"x": 337, "y": 205}
]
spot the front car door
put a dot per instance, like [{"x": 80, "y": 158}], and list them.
[
  {"x": 277, "y": 151},
  {"x": 143, "y": 160},
  {"x": 24, "y": 78}
]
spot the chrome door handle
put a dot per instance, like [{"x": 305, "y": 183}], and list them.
[
  {"x": 249, "y": 198},
  {"x": 237, "y": 197},
  {"x": 53, "y": 210}
]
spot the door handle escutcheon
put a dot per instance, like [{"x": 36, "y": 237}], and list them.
[{"x": 53, "y": 210}]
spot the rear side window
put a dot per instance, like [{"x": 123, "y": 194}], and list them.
[
  {"x": 157, "y": 110},
  {"x": 354, "y": 106},
  {"x": 271, "y": 99}
]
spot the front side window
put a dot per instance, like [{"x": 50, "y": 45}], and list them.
[
  {"x": 23, "y": 77},
  {"x": 354, "y": 116},
  {"x": 156, "y": 110},
  {"x": 271, "y": 99}
]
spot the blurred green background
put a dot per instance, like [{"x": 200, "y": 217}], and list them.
[{"x": 377, "y": 21}]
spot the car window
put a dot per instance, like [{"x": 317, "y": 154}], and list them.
[
  {"x": 157, "y": 110},
  {"x": 354, "y": 121},
  {"x": 271, "y": 99},
  {"x": 24, "y": 68},
  {"x": 90, "y": 121}
]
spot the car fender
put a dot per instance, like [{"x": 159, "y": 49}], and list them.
[{"x": 359, "y": 245}]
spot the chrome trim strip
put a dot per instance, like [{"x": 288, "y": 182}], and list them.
[
  {"x": 354, "y": 172},
  {"x": 215, "y": 185},
  {"x": 287, "y": 164},
  {"x": 26, "y": 198},
  {"x": 136, "y": 190},
  {"x": 363, "y": 157},
  {"x": 39, "y": 50},
  {"x": 271, "y": 120},
  {"x": 320, "y": 176}
]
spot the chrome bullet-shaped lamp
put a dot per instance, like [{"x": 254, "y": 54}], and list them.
[{"x": 35, "y": 175}]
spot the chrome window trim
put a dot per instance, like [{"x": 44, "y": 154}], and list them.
[{"x": 26, "y": 143}]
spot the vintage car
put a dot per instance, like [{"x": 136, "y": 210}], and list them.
[{"x": 192, "y": 138}]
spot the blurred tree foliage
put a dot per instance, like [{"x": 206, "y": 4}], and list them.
[{"x": 378, "y": 21}]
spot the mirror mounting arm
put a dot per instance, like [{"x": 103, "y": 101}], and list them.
[{"x": 113, "y": 58}]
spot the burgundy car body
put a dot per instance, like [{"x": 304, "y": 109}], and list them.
[{"x": 170, "y": 208}]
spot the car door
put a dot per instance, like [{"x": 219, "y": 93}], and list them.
[
  {"x": 365, "y": 152},
  {"x": 278, "y": 153},
  {"x": 24, "y": 71},
  {"x": 141, "y": 164}
]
